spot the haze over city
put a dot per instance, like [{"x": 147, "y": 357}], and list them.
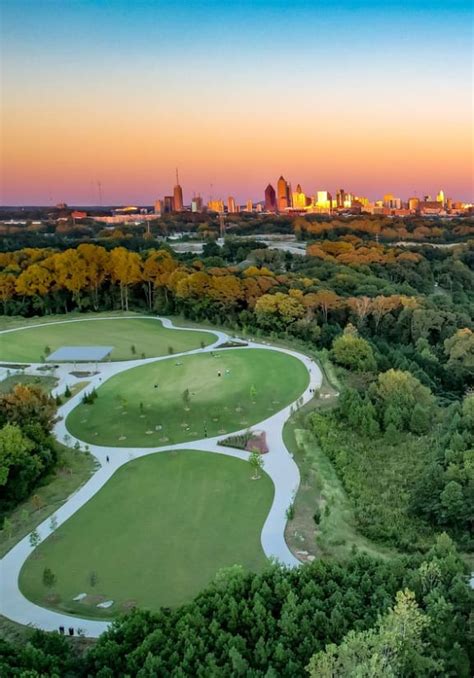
[{"x": 375, "y": 99}]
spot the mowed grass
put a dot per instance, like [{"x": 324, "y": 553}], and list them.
[
  {"x": 147, "y": 335},
  {"x": 145, "y": 407},
  {"x": 154, "y": 535}
]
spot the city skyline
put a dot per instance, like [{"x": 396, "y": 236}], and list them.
[{"x": 105, "y": 98}]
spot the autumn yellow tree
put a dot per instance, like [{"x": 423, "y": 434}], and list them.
[
  {"x": 7, "y": 288},
  {"x": 97, "y": 261},
  {"x": 125, "y": 270},
  {"x": 35, "y": 281},
  {"x": 157, "y": 268},
  {"x": 71, "y": 273}
]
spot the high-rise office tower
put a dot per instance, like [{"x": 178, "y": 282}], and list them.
[
  {"x": 440, "y": 197},
  {"x": 283, "y": 192},
  {"x": 270, "y": 199},
  {"x": 178, "y": 195},
  {"x": 299, "y": 199},
  {"x": 231, "y": 206},
  {"x": 158, "y": 206},
  {"x": 340, "y": 197},
  {"x": 168, "y": 204},
  {"x": 249, "y": 206}
]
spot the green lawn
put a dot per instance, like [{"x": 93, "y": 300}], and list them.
[
  {"x": 46, "y": 383},
  {"x": 147, "y": 335},
  {"x": 131, "y": 405},
  {"x": 154, "y": 535}
]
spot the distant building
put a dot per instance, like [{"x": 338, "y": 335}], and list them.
[
  {"x": 283, "y": 195},
  {"x": 299, "y": 199},
  {"x": 440, "y": 197},
  {"x": 130, "y": 209},
  {"x": 77, "y": 214},
  {"x": 270, "y": 199},
  {"x": 431, "y": 208},
  {"x": 196, "y": 204},
  {"x": 168, "y": 204},
  {"x": 231, "y": 206},
  {"x": 413, "y": 204},
  {"x": 391, "y": 202},
  {"x": 158, "y": 206},
  {"x": 340, "y": 198},
  {"x": 215, "y": 205},
  {"x": 249, "y": 206},
  {"x": 177, "y": 196},
  {"x": 323, "y": 201}
]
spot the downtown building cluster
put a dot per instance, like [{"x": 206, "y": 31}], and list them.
[{"x": 284, "y": 200}]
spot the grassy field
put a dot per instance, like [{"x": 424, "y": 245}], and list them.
[
  {"x": 141, "y": 399},
  {"x": 73, "y": 470},
  {"x": 154, "y": 535},
  {"x": 46, "y": 383},
  {"x": 147, "y": 335}
]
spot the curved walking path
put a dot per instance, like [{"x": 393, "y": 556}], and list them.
[{"x": 279, "y": 465}]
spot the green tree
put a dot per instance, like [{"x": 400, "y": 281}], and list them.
[
  {"x": 186, "y": 397},
  {"x": 34, "y": 538},
  {"x": 256, "y": 462},
  {"x": 353, "y": 352},
  {"x": 453, "y": 502},
  {"x": 394, "y": 648},
  {"x": 14, "y": 448},
  {"x": 49, "y": 578}
]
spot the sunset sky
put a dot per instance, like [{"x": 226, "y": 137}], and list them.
[{"x": 370, "y": 96}]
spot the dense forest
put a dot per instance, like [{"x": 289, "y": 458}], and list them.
[
  {"x": 397, "y": 324},
  {"x": 406, "y": 617}
]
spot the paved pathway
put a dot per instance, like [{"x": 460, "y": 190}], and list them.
[{"x": 279, "y": 465}]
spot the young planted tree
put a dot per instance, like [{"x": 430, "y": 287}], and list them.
[
  {"x": 256, "y": 462},
  {"x": 49, "y": 578},
  {"x": 34, "y": 539},
  {"x": 186, "y": 398}
]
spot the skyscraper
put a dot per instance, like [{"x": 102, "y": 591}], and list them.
[
  {"x": 168, "y": 204},
  {"x": 299, "y": 199},
  {"x": 178, "y": 195},
  {"x": 249, "y": 206},
  {"x": 270, "y": 199},
  {"x": 283, "y": 191},
  {"x": 340, "y": 198},
  {"x": 231, "y": 206}
]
